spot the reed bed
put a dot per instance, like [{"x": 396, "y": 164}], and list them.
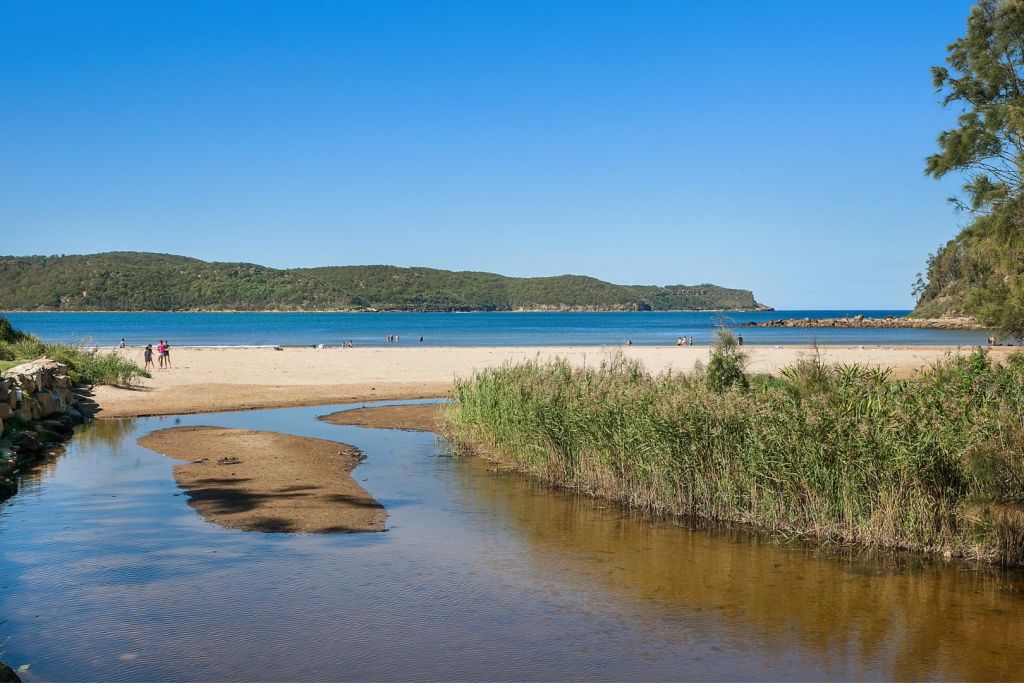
[{"x": 842, "y": 454}]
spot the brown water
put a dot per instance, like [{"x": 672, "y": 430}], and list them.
[{"x": 106, "y": 573}]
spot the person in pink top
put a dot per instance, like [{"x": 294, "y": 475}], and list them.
[{"x": 160, "y": 353}]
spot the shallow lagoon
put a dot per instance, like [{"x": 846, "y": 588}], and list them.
[{"x": 107, "y": 573}]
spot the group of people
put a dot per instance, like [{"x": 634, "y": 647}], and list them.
[
  {"x": 163, "y": 355},
  {"x": 391, "y": 339},
  {"x": 688, "y": 341}
]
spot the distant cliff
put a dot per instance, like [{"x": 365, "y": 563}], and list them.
[{"x": 135, "y": 281}]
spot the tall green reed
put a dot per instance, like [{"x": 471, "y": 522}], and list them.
[{"x": 843, "y": 454}]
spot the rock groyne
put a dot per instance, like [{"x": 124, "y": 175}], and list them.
[
  {"x": 864, "y": 322},
  {"x": 40, "y": 410}
]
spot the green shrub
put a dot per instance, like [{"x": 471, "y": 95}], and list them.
[
  {"x": 8, "y": 334},
  {"x": 727, "y": 365}
]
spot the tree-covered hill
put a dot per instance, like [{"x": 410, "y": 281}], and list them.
[
  {"x": 980, "y": 272},
  {"x": 133, "y": 281}
]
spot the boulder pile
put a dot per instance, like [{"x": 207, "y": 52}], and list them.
[
  {"x": 863, "y": 322},
  {"x": 39, "y": 395}
]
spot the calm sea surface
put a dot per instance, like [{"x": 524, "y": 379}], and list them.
[
  {"x": 107, "y": 574},
  {"x": 459, "y": 329}
]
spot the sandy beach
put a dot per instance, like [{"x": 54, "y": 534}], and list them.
[{"x": 217, "y": 379}]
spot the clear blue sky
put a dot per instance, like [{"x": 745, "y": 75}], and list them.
[{"x": 776, "y": 146}]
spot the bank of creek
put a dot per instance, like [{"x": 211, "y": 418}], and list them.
[{"x": 108, "y": 573}]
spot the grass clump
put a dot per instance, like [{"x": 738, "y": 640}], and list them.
[
  {"x": 840, "y": 453},
  {"x": 727, "y": 365},
  {"x": 85, "y": 366},
  {"x": 90, "y": 366}
]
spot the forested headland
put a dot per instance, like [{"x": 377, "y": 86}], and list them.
[{"x": 134, "y": 281}]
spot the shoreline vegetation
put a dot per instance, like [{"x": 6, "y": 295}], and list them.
[
  {"x": 842, "y": 454},
  {"x": 140, "y": 281},
  {"x": 85, "y": 366}
]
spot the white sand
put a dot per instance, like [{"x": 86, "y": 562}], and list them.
[{"x": 206, "y": 379}]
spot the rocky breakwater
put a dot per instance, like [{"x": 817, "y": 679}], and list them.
[
  {"x": 38, "y": 412},
  {"x": 886, "y": 322}
]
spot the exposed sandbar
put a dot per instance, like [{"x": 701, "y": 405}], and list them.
[
  {"x": 423, "y": 417},
  {"x": 281, "y": 482}
]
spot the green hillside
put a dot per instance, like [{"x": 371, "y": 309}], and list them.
[
  {"x": 132, "y": 281},
  {"x": 980, "y": 272}
]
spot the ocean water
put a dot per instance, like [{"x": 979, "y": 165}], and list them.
[{"x": 462, "y": 329}]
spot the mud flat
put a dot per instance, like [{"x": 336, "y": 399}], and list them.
[{"x": 266, "y": 481}]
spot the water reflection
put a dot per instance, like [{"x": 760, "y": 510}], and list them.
[
  {"x": 107, "y": 574},
  {"x": 916, "y": 619},
  {"x": 111, "y": 433}
]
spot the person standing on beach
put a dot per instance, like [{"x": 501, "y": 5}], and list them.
[
  {"x": 121, "y": 344},
  {"x": 147, "y": 357},
  {"x": 160, "y": 353},
  {"x": 167, "y": 354}
]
